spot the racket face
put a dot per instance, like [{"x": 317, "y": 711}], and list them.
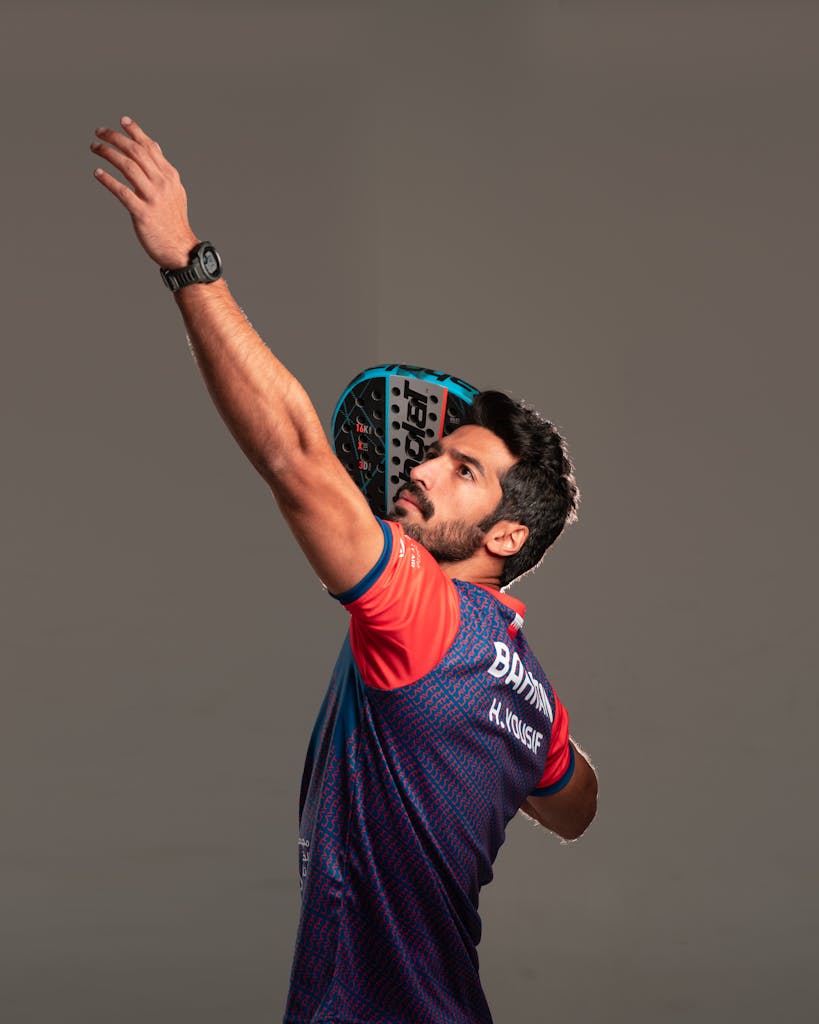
[{"x": 386, "y": 419}]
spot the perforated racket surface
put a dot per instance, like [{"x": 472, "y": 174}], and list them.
[{"x": 386, "y": 418}]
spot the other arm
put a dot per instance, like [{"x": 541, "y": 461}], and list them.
[
  {"x": 263, "y": 405},
  {"x": 570, "y": 811}
]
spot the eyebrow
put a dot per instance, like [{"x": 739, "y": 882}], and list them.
[{"x": 436, "y": 449}]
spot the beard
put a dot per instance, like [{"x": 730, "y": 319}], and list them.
[{"x": 453, "y": 541}]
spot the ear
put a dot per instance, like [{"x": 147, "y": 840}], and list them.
[{"x": 506, "y": 538}]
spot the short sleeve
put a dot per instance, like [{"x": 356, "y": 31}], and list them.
[
  {"x": 405, "y": 613},
  {"x": 560, "y": 759}
]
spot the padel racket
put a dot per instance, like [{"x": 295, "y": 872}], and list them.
[{"x": 385, "y": 420}]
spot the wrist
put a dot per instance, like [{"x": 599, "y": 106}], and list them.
[{"x": 179, "y": 256}]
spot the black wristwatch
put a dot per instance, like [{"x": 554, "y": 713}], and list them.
[{"x": 205, "y": 267}]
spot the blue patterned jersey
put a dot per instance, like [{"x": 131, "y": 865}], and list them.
[{"x": 437, "y": 724}]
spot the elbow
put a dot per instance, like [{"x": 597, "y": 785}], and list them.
[{"x": 579, "y": 828}]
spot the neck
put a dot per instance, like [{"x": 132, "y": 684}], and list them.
[{"x": 475, "y": 570}]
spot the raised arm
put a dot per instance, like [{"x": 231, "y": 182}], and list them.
[{"x": 263, "y": 405}]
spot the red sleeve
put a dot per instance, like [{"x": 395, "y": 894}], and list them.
[
  {"x": 405, "y": 614},
  {"x": 560, "y": 760}
]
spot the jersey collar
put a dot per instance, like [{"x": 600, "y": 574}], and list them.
[{"x": 518, "y": 607}]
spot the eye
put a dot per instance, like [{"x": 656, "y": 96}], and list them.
[{"x": 465, "y": 472}]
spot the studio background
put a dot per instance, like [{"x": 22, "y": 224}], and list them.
[{"x": 606, "y": 209}]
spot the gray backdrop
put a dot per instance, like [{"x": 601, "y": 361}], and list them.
[{"x": 608, "y": 209}]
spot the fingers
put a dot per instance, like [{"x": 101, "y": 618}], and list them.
[
  {"x": 140, "y": 155},
  {"x": 138, "y": 147},
  {"x": 129, "y": 167},
  {"x": 126, "y": 196},
  {"x": 139, "y": 159},
  {"x": 138, "y": 135}
]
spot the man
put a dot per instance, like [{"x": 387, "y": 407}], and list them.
[{"x": 439, "y": 723}]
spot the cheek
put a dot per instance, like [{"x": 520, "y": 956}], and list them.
[
  {"x": 465, "y": 502},
  {"x": 484, "y": 499}
]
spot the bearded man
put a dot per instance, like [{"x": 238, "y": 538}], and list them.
[{"x": 439, "y": 723}]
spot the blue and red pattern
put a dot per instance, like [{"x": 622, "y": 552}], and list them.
[{"x": 405, "y": 800}]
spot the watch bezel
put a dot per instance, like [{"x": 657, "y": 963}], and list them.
[{"x": 199, "y": 254}]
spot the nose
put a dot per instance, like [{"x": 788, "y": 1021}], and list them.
[{"x": 424, "y": 472}]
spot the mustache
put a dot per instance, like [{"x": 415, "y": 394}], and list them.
[{"x": 414, "y": 491}]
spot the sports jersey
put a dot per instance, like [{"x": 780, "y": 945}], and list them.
[{"x": 437, "y": 723}]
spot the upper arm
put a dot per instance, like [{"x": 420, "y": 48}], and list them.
[
  {"x": 569, "y": 811},
  {"x": 328, "y": 516},
  {"x": 405, "y": 613}
]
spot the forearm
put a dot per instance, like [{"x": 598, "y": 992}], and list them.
[
  {"x": 569, "y": 812},
  {"x": 262, "y": 403}
]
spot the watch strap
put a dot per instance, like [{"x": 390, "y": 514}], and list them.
[
  {"x": 194, "y": 272},
  {"x": 176, "y": 279}
]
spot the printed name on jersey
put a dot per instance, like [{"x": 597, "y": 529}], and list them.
[
  {"x": 508, "y": 667},
  {"x": 505, "y": 718},
  {"x": 508, "y": 663}
]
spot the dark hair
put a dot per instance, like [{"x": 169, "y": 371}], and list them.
[{"x": 539, "y": 491}]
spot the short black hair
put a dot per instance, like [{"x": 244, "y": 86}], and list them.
[{"x": 539, "y": 490}]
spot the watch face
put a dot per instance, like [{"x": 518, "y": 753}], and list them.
[{"x": 209, "y": 261}]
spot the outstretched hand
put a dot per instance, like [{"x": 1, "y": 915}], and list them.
[{"x": 155, "y": 199}]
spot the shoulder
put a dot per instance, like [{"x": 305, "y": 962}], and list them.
[
  {"x": 404, "y": 565},
  {"x": 405, "y": 613}
]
